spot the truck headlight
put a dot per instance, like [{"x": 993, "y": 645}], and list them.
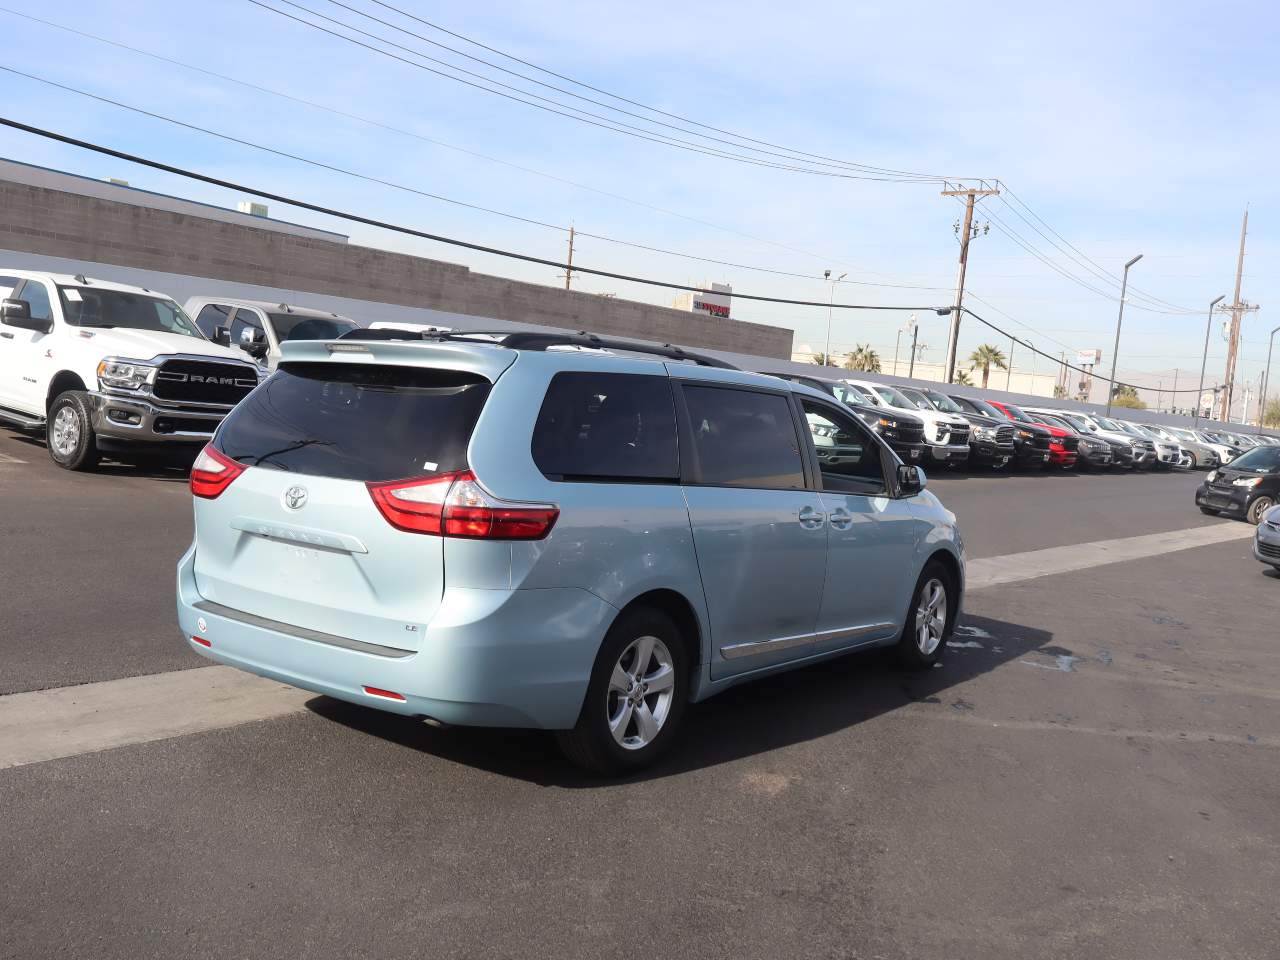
[
  {"x": 887, "y": 423},
  {"x": 1211, "y": 476},
  {"x": 124, "y": 374},
  {"x": 1026, "y": 434}
]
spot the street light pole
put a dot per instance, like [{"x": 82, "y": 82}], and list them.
[
  {"x": 1266, "y": 380},
  {"x": 1205, "y": 357},
  {"x": 830, "y": 300},
  {"x": 1124, "y": 286}
]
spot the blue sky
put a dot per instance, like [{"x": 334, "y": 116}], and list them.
[{"x": 1142, "y": 128}]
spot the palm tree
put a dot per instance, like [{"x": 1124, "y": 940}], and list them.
[
  {"x": 963, "y": 378},
  {"x": 986, "y": 357},
  {"x": 863, "y": 358},
  {"x": 822, "y": 360}
]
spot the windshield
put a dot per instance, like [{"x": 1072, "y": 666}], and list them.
[
  {"x": 1181, "y": 434},
  {"x": 96, "y": 307},
  {"x": 895, "y": 399},
  {"x": 848, "y": 394},
  {"x": 1054, "y": 422},
  {"x": 1079, "y": 422},
  {"x": 981, "y": 406},
  {"x": 1106, "y": 424},
  {"x": 917, "y": 399},
  {"x": 295, "y": 326},
  {"x": 1259, "y": 460},
  {"x": 1142, "y": 431},
  {"x": 1017, "y": 413},
  {"x": 942, "y": 402}
]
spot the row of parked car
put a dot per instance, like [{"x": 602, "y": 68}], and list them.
[{"x": 928, "y": 426}]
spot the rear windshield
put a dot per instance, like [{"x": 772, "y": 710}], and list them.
[
  {"x": 356, "y": 421},
  {"x": 292, "y": 326}
]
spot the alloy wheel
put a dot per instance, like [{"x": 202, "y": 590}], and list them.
[
  {"x": 641, "y": 691},
  {"x": 66, "y": 432},
  {"x": 931, "y": 616}
]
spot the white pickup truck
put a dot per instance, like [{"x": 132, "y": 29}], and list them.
[{"x": 107, "y": 368}]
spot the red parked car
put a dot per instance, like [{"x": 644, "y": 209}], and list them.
[{"x": 1062, "y": 448}]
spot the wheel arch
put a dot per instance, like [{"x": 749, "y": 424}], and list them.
[
  {"x": 61, "y": 382},
  {"x": 951, "y": 563},
  {"x": 681, "y": 611}
]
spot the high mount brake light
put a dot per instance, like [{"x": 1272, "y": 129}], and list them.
[
  {"x": 212, "y": 473},
  {"x": 455, "y": 505}
]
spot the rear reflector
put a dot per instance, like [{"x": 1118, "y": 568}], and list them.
[
  {"x": 455, "y": 505},
  {"x": 385, "y": 694},
  {"x": 202, "y": 641},
  {"x": 213, "y": 472}
]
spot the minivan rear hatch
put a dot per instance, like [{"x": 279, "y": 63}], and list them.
[{"x": 297, "y": 537}]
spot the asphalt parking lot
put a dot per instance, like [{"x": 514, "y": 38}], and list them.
[{"x": 1093, "y": 772}]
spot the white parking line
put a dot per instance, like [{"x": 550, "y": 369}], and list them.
[
  {"x": 1014, "y": 567},
  {"x": 70, "y": 721},
  {"x": 5, "y": 458}
]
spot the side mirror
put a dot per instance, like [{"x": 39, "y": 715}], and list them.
[
  {"x": 911, "y": 480},
  {"x": 17, "y": 313},
  {"x": 254, "y": 342},
  {"x": 222, "y": 336}
]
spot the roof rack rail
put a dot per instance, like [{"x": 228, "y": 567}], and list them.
[{"x": 536, "y": 341}]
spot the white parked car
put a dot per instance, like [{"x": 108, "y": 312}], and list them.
[
  {"x": 104, "y": 367},
  {"x": 947, "y": 434},
  {"x": 258, "y": 327}
]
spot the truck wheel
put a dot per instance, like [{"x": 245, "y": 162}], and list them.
[
  {"x": 69, "y": 432},
  {"x": 635, "y": 698},
  {"x": 929, "y": 618}
]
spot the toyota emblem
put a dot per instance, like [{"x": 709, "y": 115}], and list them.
[{"x": 295, "y": 498}]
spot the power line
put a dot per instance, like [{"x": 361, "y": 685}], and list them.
[
  {"x": 438, "y": 238},
  {"x": 578, "y": 96},
  {"x": 635, "y": 103},
  {"x": 439, "y": 143},
  {"x": 433, "y": 196},
  {"x": 575, "y": 113}
]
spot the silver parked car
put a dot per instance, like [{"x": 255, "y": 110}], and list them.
[
  {"x": 503, "y": 532},
  {"x": 1266, "y": 541}
]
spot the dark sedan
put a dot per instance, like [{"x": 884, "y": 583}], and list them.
[{"x": 1248, "y": 488}]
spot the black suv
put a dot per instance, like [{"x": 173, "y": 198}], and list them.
[
  {"x": 990, "y": 440},
  {"x": 1093, "y": 453},
  {"x": 1030, "y": 440},
  {"x": 902, "y": 432}
]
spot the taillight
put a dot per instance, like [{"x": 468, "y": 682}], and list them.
[
  {"x": 455, "y": 505},
  {"x": 212, "y": 473}
]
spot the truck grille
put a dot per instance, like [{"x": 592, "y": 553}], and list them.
[
  {"x": 1004, "y": 435},
  {"x": 204, "y": 381},
  {"x": 1041, "y": 441},
  {"x": 1070, "y": 443},
  {"x": 959, "y": 434}
]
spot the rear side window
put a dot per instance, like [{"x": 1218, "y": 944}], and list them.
[
  {"x": 744, "y": 439},
  {"x": 607, "y": 426},
  {"x": 356, "y": 421}
]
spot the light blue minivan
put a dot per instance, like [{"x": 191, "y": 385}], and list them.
[{"x": 560, "y": 532}]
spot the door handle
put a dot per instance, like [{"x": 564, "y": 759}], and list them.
[
  {"x": 811, "y": 518},
  {"x": 841, "y": 518}
]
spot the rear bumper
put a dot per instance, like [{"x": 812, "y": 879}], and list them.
[
  {"x": 138, "y": 420},
  {"x": 501, "y": 658}
]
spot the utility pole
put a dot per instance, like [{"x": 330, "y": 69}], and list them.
[
  {"x": 1008, "y": 373},
  {"x": 966, "y": 234},
  {"x": 568, "y": 274},
  {"x": 1204, "y": 359},
  {"x": 911, "y": 368},
  {"x": 1238, "y": 309}
]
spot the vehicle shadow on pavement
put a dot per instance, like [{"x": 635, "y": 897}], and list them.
[
  {"x": 745, "y": 721},
  {"x": 169, "y": 467}
]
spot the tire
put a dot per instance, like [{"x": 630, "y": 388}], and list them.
[
  {"x": 69, "y": 432},
  {"x": 592, "y": 744},
  {"x": 1256, "y": 509},
  {"x": 914, "y": 650},
  {"x": 1208, "y": 513},
  {"x": 1195, "y": 462}
]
